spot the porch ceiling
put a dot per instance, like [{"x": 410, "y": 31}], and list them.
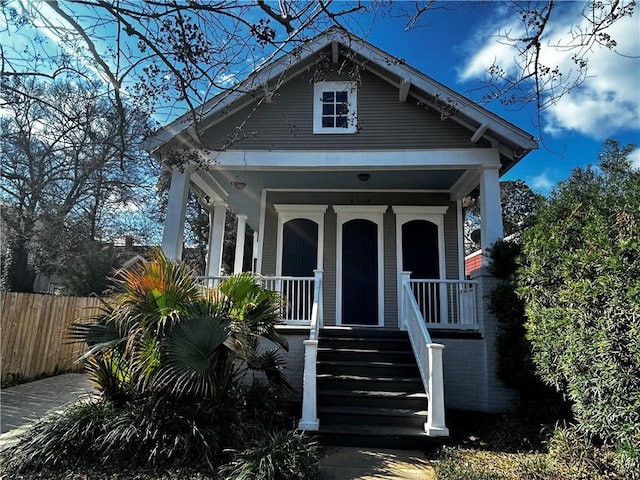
[{"x": 219, "y": 183}]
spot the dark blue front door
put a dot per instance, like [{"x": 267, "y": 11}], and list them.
[
  {"x": 299, "y": 248},
  {"x": 421, "y": 257},
  {"x": 360, "y": 273}
]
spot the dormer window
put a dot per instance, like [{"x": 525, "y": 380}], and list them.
[{"x": 335, "y": 107}]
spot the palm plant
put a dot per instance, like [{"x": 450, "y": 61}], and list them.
[{"x": 162, "y": 333}]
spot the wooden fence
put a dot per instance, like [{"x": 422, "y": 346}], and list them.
[{"x": 33, "y": 333}]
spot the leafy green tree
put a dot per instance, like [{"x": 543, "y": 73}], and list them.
[
  {"x": 519, "y": 205},
  {"x": 581, "y": 286}
]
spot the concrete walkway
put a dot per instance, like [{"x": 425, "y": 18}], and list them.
[{"x": 22, "y": 404}]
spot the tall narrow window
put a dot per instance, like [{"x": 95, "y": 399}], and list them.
[{"x": 335, "y": 106}]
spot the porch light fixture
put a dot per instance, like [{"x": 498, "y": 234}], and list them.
[
  {"x": 363, "y": 177},
  {"x": 239, "y": 183}
]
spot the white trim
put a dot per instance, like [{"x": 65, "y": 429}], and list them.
[
  {"x": 352, "y": 106},
  {"x": 286, "y": 213},
  {"x": 260, "y": 243},
  {"x": 404, "y": 87},
  {"x": 466, "y": 183},
  {"x": 461, "y": 256},
  {"x": 351, "y": 210},
  {"x": 461, "y": 158},
  {"x": 375, "y": 214},
  {"x": 477, "y": 135},
  {"x": 420, "y": 210},
  {"x": 432, "y": 214}
]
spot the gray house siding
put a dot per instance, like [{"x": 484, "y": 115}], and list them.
[
  {"x": 384, "y": 123},
  {"x": 269, "y": 249}
]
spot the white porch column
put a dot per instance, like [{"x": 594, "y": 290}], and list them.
[
  {"x": 435, "y": 426},
  {"x": 239, "y": 254},
  {"x": 173, "y": 234},
  {"x": 216, "y": 238},
  {"x": 490, "y": 207}
]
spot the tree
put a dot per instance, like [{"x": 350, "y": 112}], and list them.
[
  {"x": 65, "y": 177},
  {"x": 519, "y": 205},
  {"x": 174, "y": 53},
  {"x": 581, "y": 286}
]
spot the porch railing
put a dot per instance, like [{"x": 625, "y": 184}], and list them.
[
  {"x": 309, "y": 420},
  {"x": 303, "y": 305},
  {"x": 446, "y": 303},
  {"x": 428, "y": 357},
  {"x": 297, "y": 293}
]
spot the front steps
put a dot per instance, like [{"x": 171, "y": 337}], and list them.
[{"x": 370, "y": 393}]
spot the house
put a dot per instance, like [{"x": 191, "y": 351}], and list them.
[{"x": 351, "y": 168}]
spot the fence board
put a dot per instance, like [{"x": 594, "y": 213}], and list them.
[{"x": 33, "y": 330}]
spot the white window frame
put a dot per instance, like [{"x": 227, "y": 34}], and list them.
[
  {"x": 289, "y": 212},
  {"x": 375, "y": 214},
  {"x": 352, "y": 101}
]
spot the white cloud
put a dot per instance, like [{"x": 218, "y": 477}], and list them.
[
  {"x": 542, "y": 183},
  {"x": 606, "y": 103},
  {"x": 635, "y": 158}
]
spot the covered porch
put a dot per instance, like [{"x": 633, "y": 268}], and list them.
[{"x": 301, "y": 249}]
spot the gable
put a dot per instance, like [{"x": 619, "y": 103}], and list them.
[
  {"x": 384, "y": 122},
  {"x": 223, "y": 122}
]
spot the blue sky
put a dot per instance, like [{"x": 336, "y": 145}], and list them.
[{"x": 456, "y": 48}]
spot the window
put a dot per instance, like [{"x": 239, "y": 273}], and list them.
[{"x": 334, "y": 107}]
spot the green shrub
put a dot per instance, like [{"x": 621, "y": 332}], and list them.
[
  {"x": 57, "y": 440},
  {"x": 581, "y": 285},
  {"x": 153, "y": 432},
  {"x": 515, "y": 364},
  {"x": 283, "y": 455}
]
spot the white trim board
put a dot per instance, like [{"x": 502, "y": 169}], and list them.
[
  {"x": 461, "y": 158},
  {"x": 288, "y": 212}
]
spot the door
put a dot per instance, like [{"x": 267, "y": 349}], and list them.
[
  {"x": 360, "y": 272},
  {"x": 299, "y": 247},
  {"x": 299, "y": 259},
  {"x": 421, "y": 257}
]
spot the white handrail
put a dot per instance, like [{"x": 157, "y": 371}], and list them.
[
  {"x": 428, "y": 357},
  {"x": 309, "y": 420}
]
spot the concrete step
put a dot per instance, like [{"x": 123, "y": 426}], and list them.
[
  {"x": 358, "y": 415},
  {"x": 356, "y": 353},
  {"x": 373, "y": 398},
  {"x": 362, "y": 332},
  {"x": 376, "y": 436},
  {"x": 369, "y": 382},
  {"x": 378, "y": 368},
  {"x": 366, "y": 342}
]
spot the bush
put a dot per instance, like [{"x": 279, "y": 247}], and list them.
[
  {"x": 515, "y": 364},
  {"x": 284, "y": 455},
  {"x": 581, "y": 285},
  {"x": 171, "y": 359}
]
